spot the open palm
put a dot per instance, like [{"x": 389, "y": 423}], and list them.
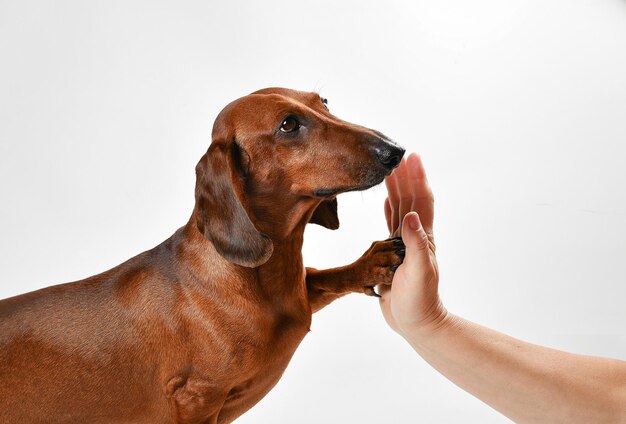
[{"x": 412, "y": 300}]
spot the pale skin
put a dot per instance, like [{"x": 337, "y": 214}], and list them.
[{"x": 526, "y": 382}]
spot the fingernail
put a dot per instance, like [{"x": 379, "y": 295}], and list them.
[{"x": 414, "y": 222}]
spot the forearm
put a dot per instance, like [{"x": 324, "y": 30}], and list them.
[{"x": 526, "y": 382}]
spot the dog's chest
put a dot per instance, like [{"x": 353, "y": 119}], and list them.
[
  {"x": 239, "y": 355},
  {"x": 267, "y": 368}
]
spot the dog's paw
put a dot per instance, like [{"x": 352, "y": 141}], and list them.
[{"x": 379, "y": 263}]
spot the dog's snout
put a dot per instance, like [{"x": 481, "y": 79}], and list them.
[{"x": 388, "y": 153}]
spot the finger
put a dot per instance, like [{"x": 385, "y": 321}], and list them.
[
  {"x": 416, "y": 243},
  {"x": 388, "y": 215},
  {"x": 404, "y": 191},
  {"x": 422, "y": 195},
  {"x": 392, "y": 194},
  {"x": 416, "y": 168}
]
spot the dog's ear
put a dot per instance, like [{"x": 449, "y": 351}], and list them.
[
  {"x": 222, "y": 214},
  {"x": 326, "y": 214}
]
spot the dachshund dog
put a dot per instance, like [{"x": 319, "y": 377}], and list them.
[{"x": 201, "y": 327}]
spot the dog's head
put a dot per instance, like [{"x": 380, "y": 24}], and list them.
[{"x": 279, "y": 157}]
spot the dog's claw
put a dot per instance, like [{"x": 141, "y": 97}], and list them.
[
  {"x": 371, "y": 292},
  {"x": 401, "y": 252},
  {"x": 398, "y": 242},
  {"x": 394, "y": 267}
]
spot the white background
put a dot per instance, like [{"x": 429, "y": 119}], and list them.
[{"x": 518, "y": 108}]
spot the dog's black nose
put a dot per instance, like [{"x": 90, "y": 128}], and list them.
[
  {"x": 389, "y": 153},
  {"x": 391, "y": 158}
]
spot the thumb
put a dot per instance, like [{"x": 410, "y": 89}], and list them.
[{"x": 415, "y": 239}]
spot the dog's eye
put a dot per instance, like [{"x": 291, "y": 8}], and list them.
[
  {"x": 324, "y": 102},
  {"x": 290, "y": 124}
]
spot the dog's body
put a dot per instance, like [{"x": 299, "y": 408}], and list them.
[{"x": 200, "y": 328}]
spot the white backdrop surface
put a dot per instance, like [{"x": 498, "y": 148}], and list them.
[{"x": 518, "y": 108}]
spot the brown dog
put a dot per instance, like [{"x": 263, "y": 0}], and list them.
[{"x": 200, "y": 328}]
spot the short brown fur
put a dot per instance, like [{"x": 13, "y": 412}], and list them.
[{"x": 200, "y": 328}]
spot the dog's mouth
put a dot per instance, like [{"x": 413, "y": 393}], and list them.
[
  {"x": 372, "y": 178},
  {"x": 325, "y": 193}
]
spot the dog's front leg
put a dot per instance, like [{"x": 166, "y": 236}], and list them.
[{"x": 376, "y": 266}]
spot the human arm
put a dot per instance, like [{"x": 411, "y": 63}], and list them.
[{"x": 524, "y": 381}]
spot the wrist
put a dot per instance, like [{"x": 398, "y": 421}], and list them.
[{"x": 438, "y": 320}]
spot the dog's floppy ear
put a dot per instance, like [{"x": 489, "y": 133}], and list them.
[
  {"x": 326, "y": 214},
  {"x": 222, "y": 214}
]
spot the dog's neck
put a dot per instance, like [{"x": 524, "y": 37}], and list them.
[
  {"x": 284, "y": 223},
  {"x": 281, "y": 218},
  {"x": 280, "y": 280}
]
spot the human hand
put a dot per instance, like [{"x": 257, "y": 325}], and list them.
[{"x": 411, "y": 304}]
